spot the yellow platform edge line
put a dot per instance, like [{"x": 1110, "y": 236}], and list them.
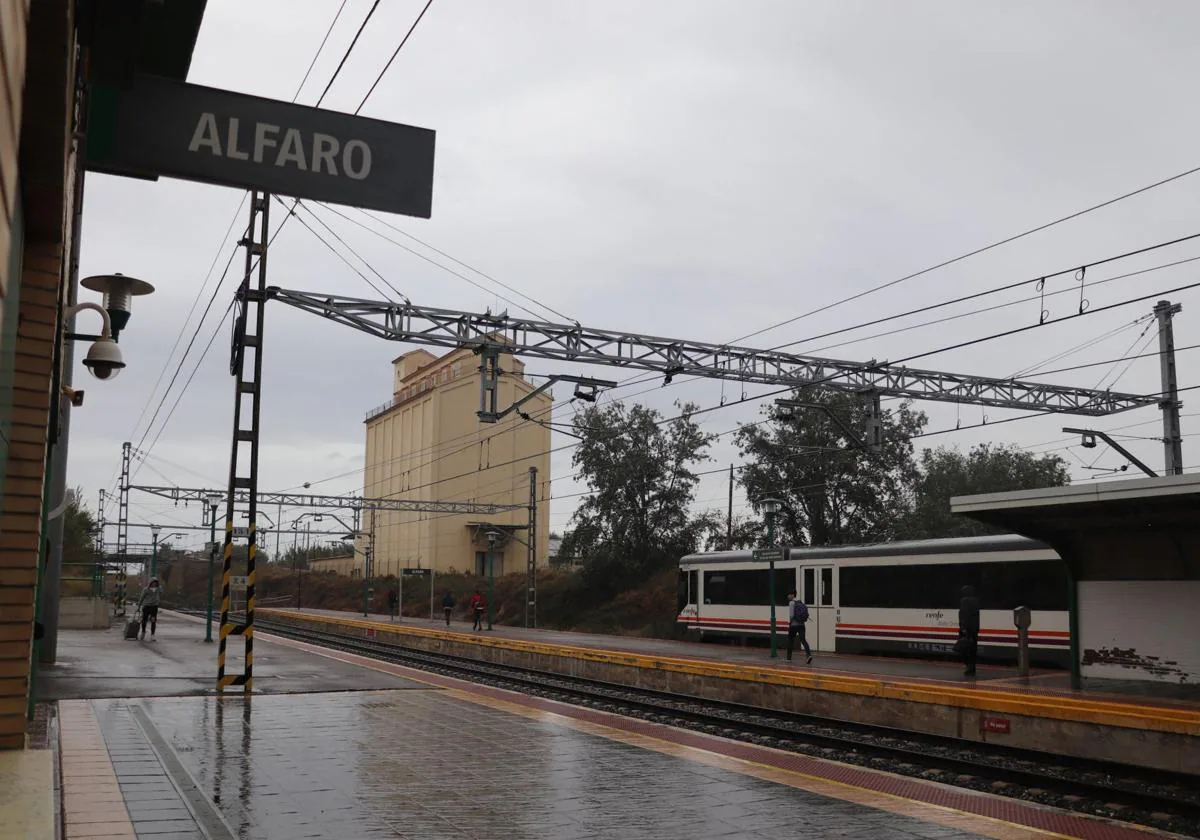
[{"x": 1070, "y": 708}]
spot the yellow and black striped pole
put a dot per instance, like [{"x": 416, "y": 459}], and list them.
[
  {"x": 226, "y": 626},
  {"x": 251, "y": 552}
]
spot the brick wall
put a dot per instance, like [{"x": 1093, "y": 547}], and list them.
[
  {"x": 34, "y": 233},
  {"x": 21, "y": 526}
]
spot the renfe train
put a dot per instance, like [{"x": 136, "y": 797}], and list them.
[{"x": 890, "y": 598}]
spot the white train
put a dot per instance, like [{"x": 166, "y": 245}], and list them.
[{"x": 890, "y": 598}]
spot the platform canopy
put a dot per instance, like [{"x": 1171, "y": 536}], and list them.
[{"x": 1133, "y": 550}]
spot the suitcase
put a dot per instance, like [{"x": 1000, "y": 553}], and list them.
[{"x": 132, "y": 627}]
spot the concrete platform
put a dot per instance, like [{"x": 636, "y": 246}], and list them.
[
  {"x": 446, "y": 759},
  {"x": 100, "y": 663},
  {"x": 1038, "y": 713},
  {"x": 1040, "y": 680}
]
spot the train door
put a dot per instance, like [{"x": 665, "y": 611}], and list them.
[{"x": 819, "y": 594}]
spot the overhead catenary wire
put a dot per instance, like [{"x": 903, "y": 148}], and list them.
[
  {"x": 399, "y": 47},
  {"x": 972, "y": 253}
]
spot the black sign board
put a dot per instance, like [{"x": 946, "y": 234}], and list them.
[
  {"x": 165, "y": 127},
  {"x": 411, "y": 572}
]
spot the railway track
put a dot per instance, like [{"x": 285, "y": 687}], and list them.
[{"x": 1162, "y": 799}]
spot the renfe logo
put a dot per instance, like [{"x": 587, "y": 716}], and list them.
[
  {"x": 318, "y": 155},
  {"x": 935, "y": 616}
]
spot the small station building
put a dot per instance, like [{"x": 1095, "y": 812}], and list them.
[{"x": 1132, "y": 550}]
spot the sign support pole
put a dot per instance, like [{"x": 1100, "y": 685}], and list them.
[{"x": 243, "y": 473}]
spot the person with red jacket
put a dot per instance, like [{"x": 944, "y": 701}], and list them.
[{"x": 478, "y": 605}]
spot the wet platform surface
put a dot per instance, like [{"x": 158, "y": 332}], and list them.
[
  {"x": 423, "y": 765},
  {"x": 429, "y": 756},
  {"x": 100, "y": 663},
  {"x": 995, "y": 677}
]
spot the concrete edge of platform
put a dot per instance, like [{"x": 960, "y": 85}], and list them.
[
  {"x": 1103, "y": 712},
  {"x": 1133, "y": 737}
]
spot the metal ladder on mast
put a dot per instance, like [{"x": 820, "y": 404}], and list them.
[{"x": 243, "y": 471}]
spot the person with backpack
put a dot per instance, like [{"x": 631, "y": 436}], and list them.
[
  {"x": 797, "y": 617},
  {"x": 448, "y": 605}
]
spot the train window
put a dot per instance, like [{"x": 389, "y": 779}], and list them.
[
  {"x": 1037, "y": 584},
  {"x": 827, "y": 587},
  {"x": 810, "y": 590},
  {"x": 681, "y": 592},
  {"x": 693, "y": 587},
  {"x": 748, "y": 588}
]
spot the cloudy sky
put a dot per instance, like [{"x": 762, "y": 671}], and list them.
[{"x": 693, "y": 169}]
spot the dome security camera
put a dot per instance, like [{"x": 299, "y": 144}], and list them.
[{"x": 104, "y": 359}]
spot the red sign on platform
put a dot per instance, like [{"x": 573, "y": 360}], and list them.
[{"x": 995, "y": 724}]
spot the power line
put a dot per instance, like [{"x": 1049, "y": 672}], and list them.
[
  {"x": 1040, "y": 281},
  {"x": 399, "y": 47},
  {"x": 970, "y": 254},
  {"x": 320, "y": 49},
  {"x": 447, "y": 269},
  {"x": 349, "y": 49}
]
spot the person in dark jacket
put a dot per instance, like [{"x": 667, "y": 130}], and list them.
[
  {"x": 393, "y": 603},
  {"x": 968, "y": 628},
  {"x": 448, "y": 605},
  {"x": 148, "y": 604}
]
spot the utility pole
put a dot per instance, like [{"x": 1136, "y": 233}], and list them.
[
  {"x": 214, "y": 501},
  {"x": 1172, "y": 435},
  {"x": 368, "y": 559},
  {"x": 531, "y": 585},
  {"x": 123, "y": 508},
  {"x": 100, "y": 525},
  {"x": 729, "y": 514}
]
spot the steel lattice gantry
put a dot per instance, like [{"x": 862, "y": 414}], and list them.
[
  {"x": 489, "y": 334},
  {"x": 356, "y": 503}
]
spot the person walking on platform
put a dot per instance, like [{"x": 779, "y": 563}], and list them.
[
  {"x": 393, "y": 603},
  {"x": 148, "y": 604},
  {"x": 968, "y": 629},
  {"x": 797, "y": 618},
  {"x": 478, "y": 605},
  {"x": 448, "y": 605}
]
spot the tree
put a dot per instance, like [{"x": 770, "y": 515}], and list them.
[
  {"x": 638, "y": 468},
  {"x": 714, "y": 531},
  {"x": 986, "y": 468},
  {"x": 298, "y": 556},
  {"x": 78, "y": 547},
  {"x": 834, "y": 489}
]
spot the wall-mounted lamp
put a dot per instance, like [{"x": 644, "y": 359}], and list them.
[{"x": 118, "y": 291}]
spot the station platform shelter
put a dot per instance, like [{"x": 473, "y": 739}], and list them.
[{"x": 1132, "y": 550}]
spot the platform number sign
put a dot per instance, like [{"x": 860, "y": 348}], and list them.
[{"x": 238, "y": 581}]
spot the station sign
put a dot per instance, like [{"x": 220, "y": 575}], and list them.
[
  {"x": 414, "y": 572},
  {"x": 241, "y": 531},
  {"x": 163, "y": 127},
  {"x": 1000, "y": 725},
  {"x": 239, "y": 581},
  {"x": 770, "y": 555}
]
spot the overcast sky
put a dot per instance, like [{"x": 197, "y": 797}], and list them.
[{"x": 692, "y": 169}]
